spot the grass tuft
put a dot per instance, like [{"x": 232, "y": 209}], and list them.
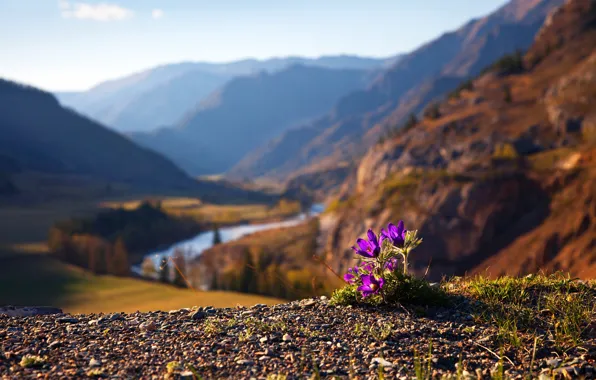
[
  {"x": 399, "y": 289},
  {"x": 558, "y": 305},
  {"x": 32, "y": 361}
]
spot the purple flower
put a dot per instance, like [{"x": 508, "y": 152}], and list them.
[
  {"x": 370, "y": 285},
  {"x": 396, "y": 235},
  {"x": 349, "y": 278},
  {"x": 368, "y": 248},
  {"x": 391, "y": 265}
]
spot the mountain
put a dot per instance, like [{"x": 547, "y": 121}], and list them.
[
  {"x": 44, "y": 145},
  {"x": 427, "y": 73},
  {"x": 501, "y": 179},
  {"x": 247, "y": 112},
  {"x": 161, "y": 96}
]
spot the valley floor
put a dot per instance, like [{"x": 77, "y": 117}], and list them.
[{"x": 29, "y": 275}]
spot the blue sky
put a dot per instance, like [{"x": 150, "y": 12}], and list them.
[{"x": 73, "y": 45}]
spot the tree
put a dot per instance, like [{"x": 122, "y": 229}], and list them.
[
  {"x": 410, "y": 123},
  {"x": 216, "y": 236},
  {"x": 120, "y": 265},
  {"x": 148, "y": 267},
  {"x": 179, "y": 269},
  {"x": 507, "y": 97},
  {"x": 214, "y": 283},
  {"x": 432, "y": 111},
  {"x": 96, "y": 255},
  {"x": 164, "y": 270},
  {"x": 248, "y": 278}
]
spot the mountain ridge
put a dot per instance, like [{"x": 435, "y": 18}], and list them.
[
  {"x": 357, "y": 113},
  {"x": 134, "y": 93}
]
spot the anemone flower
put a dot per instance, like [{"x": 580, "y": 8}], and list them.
[
  {"x": 395, "y": 234},
  {"x": 368, "y": 248},
  {"x": 391, "y": 264},
  {"x": 349, "y": 278},
  {"x": 370, "y": 285}
]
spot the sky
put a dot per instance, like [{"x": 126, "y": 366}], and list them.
[{"x": 62, "y": 45}]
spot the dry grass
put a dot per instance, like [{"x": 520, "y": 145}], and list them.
[
  {"x": 35, "y": 278},
  {"x": 219, "y": 214}
]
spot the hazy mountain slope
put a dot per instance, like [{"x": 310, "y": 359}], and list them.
[
  {"x": 165, "y": 104},
  {"x": 39, "y": 135},
  {"x": 503, "y": 180},
  {"x": 247, "y": 112},
  {"x": 127, "y": 104},
  {"x": 344, "y": 132}
]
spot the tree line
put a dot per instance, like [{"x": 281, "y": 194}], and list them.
[{"x": 112, "y": 240}]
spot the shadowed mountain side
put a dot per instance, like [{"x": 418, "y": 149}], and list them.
[
  {"x": 247, "y": 112},
  {"x": 39, "y": 135}
]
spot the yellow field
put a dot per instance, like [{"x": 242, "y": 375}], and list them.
[
  {"x": 29, "y": 276},
  {"x": 220, "y": 214},
  {"x": 34, "y": 278}
]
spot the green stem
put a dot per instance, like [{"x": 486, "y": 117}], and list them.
[{"x": 405, "y": 254}]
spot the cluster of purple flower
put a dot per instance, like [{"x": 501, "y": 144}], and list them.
[{"x": 379, "y": 255}]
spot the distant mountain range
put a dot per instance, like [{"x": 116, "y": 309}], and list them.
[
  {"x": 161, "y": 96},
  {"x": 50, "y": 145},
  {"x": 358, "y": 119},
  {"x": 248, "y": 111}
]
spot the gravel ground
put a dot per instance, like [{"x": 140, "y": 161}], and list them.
[{"x": 297, "y": 339}]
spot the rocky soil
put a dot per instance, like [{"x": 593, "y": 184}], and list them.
[{"x": 299, "y": 340}]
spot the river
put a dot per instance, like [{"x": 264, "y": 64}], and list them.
[{"x": 193, "y": 247}]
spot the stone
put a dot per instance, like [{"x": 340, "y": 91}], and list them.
[
  {"x": 286, "y": 338},
  {"x": 94, "y": 363},
  {"x": 28, "y": 311},
  {"x": 308, "y": 302},
  {"x": 198, "y": 315},
  {"x": 381, "y": 362},
  {"x": 186, "y": 375},
  {"x": 244, "y": 362},
  {"x": 148, "y": 326},
  {"x": 67, "y": 320}
]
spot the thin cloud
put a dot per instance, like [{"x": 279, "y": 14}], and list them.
[
  {"x": 96, "y": 12},
  {"x": 157, "y": 14}
]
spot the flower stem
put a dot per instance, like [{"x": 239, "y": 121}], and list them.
[{"x": 405, "y": 254}]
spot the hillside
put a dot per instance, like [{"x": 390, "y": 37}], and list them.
[
  {"x": 501, "y": 179},
  {"x": 162, "y": 95},
  {"x": 247, "y": 112},
  {"x": 427, "y": 73},
  {"x": 41, "y": 136}
]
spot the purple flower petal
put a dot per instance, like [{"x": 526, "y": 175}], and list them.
[
  {"x": 372, "y": 237},
  {"x": 364, "y": 245}
]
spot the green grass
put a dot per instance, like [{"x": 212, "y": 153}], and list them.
[{"x": 520, "y": 307}]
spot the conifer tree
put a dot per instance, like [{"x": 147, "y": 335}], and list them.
[
  {"x": 164, "y": 270},
  {"x": 216, "y": 236},
  {"x": 119, "y": 261}
]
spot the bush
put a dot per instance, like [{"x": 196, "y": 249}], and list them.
[
  {"x": 432, "y": 111},
  {"x": 509, "y": 64}
]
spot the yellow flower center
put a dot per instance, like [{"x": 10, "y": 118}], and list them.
[{"x": 373, "y": 286}]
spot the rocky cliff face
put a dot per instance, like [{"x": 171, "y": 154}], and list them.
[{"x": 500, "y": 178}]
